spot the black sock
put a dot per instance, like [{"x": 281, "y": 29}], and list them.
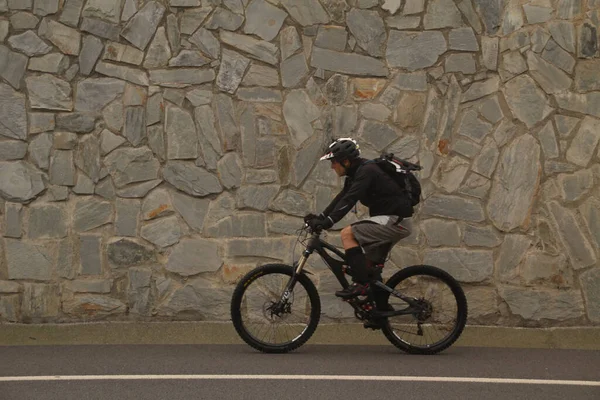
[{"x": 357, "y": 261}]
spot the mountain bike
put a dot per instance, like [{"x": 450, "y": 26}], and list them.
[{"x": 275, "y": 308}]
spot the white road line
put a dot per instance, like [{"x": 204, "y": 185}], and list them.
[{"x": 298, "y": 377}]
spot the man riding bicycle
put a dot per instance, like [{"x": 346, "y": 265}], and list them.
[
  {"x": 389, "y": 207},
  {"x": 388, "y": 188}
]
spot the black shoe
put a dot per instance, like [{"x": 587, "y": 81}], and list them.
[
  {"x": 351, "y": 291},
  {"x": 374, "y": 324},
  {"x": 377, "y": 323}
]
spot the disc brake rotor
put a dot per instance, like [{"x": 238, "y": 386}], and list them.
[{"x": 274, "y": 310}]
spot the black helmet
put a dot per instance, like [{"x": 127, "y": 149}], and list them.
[{"x": 342, "y": 149}]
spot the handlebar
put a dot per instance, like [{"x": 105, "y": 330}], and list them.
[{"x": 307, "y": 228}]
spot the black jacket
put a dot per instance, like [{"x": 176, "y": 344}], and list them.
[{"x": 374, "y": 188}]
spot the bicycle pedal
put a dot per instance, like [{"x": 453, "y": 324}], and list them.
[{"x": 372, "y": 325}]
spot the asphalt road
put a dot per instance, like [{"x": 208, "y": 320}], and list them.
[{"x": 313, "y": 371}]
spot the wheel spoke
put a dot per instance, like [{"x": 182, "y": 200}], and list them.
[
  {"x": 438, "y": 318},
  {"x": 266, "y": 321}
]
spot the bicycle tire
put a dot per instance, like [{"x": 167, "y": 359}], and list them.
[
  {"x": 236, "y": 308},
  {"x": 461, "y": 303}
]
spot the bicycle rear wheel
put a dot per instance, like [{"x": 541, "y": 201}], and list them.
[
  {"x": 442, "y": 318},
  {"x": 267, "y": 323}
]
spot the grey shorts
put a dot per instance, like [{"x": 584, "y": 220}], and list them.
[{"x": 377, "y": 235}]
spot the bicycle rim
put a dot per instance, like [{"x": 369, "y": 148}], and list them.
[
  {"x": 267, "y": 328},
  {"x": 440, "y": 324}
]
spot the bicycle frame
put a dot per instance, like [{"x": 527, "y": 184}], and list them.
[{"x": 316, "y": 244}]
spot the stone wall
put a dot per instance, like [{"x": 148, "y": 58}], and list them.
[{"x": 153, "y": 151}]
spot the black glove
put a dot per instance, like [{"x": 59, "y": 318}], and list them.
[
  {"x": 310, "y": 216},
  {"x": 320, "y": 222}
]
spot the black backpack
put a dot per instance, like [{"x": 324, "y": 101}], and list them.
[{"x": 401, "y": 171}]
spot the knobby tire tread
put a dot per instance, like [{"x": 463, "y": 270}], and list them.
[
  {"x": 236, "y": 302},
  {"x": 459, "y": 295}
]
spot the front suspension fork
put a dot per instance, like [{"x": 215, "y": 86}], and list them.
[{"x": 292, "y": 282}]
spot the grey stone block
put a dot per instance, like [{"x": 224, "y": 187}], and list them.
[
  {"x": 264, "y": 19},
  {"x": 306, "y": 12},
  {"x": 453, "y": 207},
  {"x": 256, "y": 197},
  {"x": 90, "y": 251},
  {"x": 328, "y": 37},
  {"x": 64, "y": 265},
  {"x": 62, "y": 168},
  {"x": 293, "y": 71},
  {"x": 91, "y": 213},
  {"x": 193, "y": 210},
  {"x": 579, "y": 249},
  {"x": 508, "y": 207},
  {"x": 22, "y": 20},
  {"x": 29, "y": 43},
  {"x": 463, "y": 265},
  {"x": 90, "y": 52},
  {"x": 441, "y": 233},
  {"x": 27, "y": 260},
  {"x": 40, "y": 301},
  {"x": 241, "y": 225},
  {"x": 541, "y": 304},
  {"x": 181, "y": 77},
  {"x": 290, "y": 42},
  {"x": 13, "y": 220},
  {"x": 26, "y": 182},
  {"x": 102, "y": 306},
  {"x": 41, "y": 122},
  {"x": 477, "y": 236},
  {"x": 127, "y": 214},
  {"x": 163, "y": 232},
  {"x": 67, "y": 39},
  {"x": 192, "y": 18},
  {"x": 10, "y": 308},
  {"x": 292, "y": 202},
  {"x": 351, "y": 63},
  {"x": 193, "y": 180},
  {"x": 128, "y": 253},
  {"x": 12, "y": 150},
  {"x": 50, "y": 93},
  {"x": 590, "y": 284},
  {"x": 368, "y": 29},
  {"x": 259, "y": 49},
  {"x": 143, "y": 24},
  {"x": 89, "y": 285},
  {"x": 378, "y": 134},
  {"x": 139, "y": 290},
  {"x": 127, "y": 165},
  {"x": 79, "y": 122},
  {"x": 12, "y": 66},
  {"x": 222, "y": 18},
  {"x": 193, "y": 256},
  {"x": 47, "y": 221},
  {"x": 71, "y": 12}
]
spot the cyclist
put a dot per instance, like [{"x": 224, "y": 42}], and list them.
[{"x": 389, "y": 208}]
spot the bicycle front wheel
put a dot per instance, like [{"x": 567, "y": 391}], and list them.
[
  {"x": 268, "y": 322},
  {"x": 442, "y": 313}
]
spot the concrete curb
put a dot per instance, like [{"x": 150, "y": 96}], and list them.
[{"x": 587, "y": 338}]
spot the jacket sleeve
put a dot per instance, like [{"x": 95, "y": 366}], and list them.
[
  {"x": 350, "y": 195},
  {"x": 337, "y": 198}
]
